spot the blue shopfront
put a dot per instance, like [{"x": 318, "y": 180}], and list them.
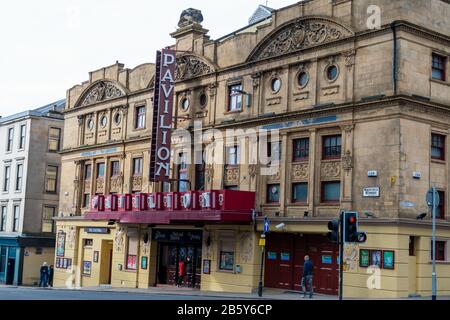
[{"x": 12, "y": 256}]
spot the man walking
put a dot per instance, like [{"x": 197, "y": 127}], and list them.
[
  {"x": 43, "y": 275},
  {"x": 307, "y": 278}
]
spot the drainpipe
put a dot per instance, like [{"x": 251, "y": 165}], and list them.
[{"x": 394, "y": 57}]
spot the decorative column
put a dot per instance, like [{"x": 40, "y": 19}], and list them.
[
  {"x": 256, "y": 93},
  {"x": 81, "y": 128},
  {"x": 312, "y": 184},
  {"x": 347, "y": 166},
  {"x": 77, "y": 188},
  {"x": 124, "y": 121},
  {"x": 349, "y": 57},
  {"x": 282, "y": 170}
]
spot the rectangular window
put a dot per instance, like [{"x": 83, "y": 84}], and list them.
[
  {"x": 137, "y": 166},
  {"x": 132, "y": 249},
  {"x": 235, "y": 97},
  {"x": 437, "y": 146},
  {"x": 100, "y": 170},
  {"x": 6, "y": 178},
  {"x": 200, "y": 176},
  {"x": 300, "y": 192},
  {"x": 440, "y": 210},
  {"x": 438, "y": 67},
  {"x": 273, "y": 193},
  {"x": 115, "y": 168},
  {"x": 9, "y": 144},
  {"x": 232, "y": 154},
  {"x": 23, "y": 130},
  {"x": 227, "y": 253},
  {"x": 54, "y": 139},
  {"x": 182, "y": 173},
  {"x": 412, "y": 246},
  {"x": 274, "y": 150},
  {"x": 87, "y": 172},
  {"x": 332, "y": 147},
  {"x": 331, "y": 192},
  {"x": 47, "y": 220},
  {"x": 3, "y": 218},
  {"x": 301, "y": 149},
  {"x": 140, "y": 117},
  {"x": 16, "y": 218},
  {"x": 441, "y": 247},
  {"x": 52, "y": 178},
  {"x": 19, "y": 177},
  {"x": 86, "y": 200}
]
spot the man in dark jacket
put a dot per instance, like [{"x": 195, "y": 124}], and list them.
[
  {"x": 307, "y": 278},
  {"x": 43, "y": 275},
  {"x": 50, "y": 276}
]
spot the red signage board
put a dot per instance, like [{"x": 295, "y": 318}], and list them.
[{"x": 162, "y": 115}]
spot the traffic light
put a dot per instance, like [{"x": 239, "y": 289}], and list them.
[
  {"x": 333, "y": 235},
  {"x": 351, "y": 233}
]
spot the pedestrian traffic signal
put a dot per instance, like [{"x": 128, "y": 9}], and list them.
[
  {"x": 351, "y": 233},
  {"x": 333, "y": 235}
]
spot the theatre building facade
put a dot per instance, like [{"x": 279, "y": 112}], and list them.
[{"x": 363, "y": 119}]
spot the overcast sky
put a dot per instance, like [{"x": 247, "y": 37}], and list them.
[{"x": 47, "y": 46}]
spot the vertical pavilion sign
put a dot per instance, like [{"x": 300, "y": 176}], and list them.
[{"x": 162, "y": 115}]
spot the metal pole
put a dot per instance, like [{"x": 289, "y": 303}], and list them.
[
  {"x": 434, "y": 246},
  {"x": 260, "y": 287},
  {"x": 341, "y": 258}
]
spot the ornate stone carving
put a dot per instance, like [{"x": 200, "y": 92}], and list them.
[
  {"x": 232, "y": 175},
  {"x": 101, "y": 91},
  {"x": 350, "y": 58},
  {"x": 347, "y": 161},
  {"x": 256, "y": 80},
  {"x": 331, "y": 170},
  {"x": 253, "y": 170},
  {"x": 71, "y": 238},
  {"x": 209, "y": 172},
  {"x": 246, "y": 247},
  {"x": 275, "y": 177},
  {"x": 136, "y": 183},
  {"x": 100, "y": 185},
  {"x": 76, "y": 184},
  {"x": 212, "y": 89},
  {"x": 87, "y": 185},
  {"x": 190, "y": 16},
  {"x": 80, "y": 120},
  {"x": 300, "y": 34},
  {"x": 300, "y": 171},
  {"x": 118, "y": 243},
  {"x": 116, "y": 184},
  {"x": 189, "y": 66}
]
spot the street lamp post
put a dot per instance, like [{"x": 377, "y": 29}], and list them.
[{"x": 434, "y": 284}]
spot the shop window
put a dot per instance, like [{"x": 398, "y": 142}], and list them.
[
  {"x": 88, "y": 242},
  {"x": 132, "y": 249},
  {"x": 300, "y": 192},
  {"x": 300, "y": 149},
  {"x": 438, "y": 67},
  {"x": 437, "y": 146},
  {"x": 273, "y": 193},
  {"x": 331, "y": 192},
  {"x": 227, "y": 253},
  {"x": 332, "y": 146}
]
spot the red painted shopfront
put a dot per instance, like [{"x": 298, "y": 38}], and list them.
[{"x": 285, "y": 258}]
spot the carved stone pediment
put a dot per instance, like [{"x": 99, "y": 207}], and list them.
[
  {"x": 190, "y": 66},
  {"x": 300, "y": 34},
  {"x": 101, "y": 91}
]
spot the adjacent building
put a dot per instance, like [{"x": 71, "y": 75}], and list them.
[
  {"x": 363, "y": 115},
  {"x": 29, "y": 195}
]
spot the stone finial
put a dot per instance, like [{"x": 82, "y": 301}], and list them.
[{"x": 190, "y": 16}]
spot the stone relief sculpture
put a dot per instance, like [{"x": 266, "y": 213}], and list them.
[
  {"x": 189, "y": 66},
  {"x": 71, "y": 238},
  {"x": 103, "y": 90},
  {"x": 190, "y": 16},
  {"x": 300, "y": 34},
  {"x": 118, "y": 243}
]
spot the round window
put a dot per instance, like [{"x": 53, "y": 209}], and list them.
[
  {"x": 276, "y": 85},
  {"x": 90, "y": 124},
  {"x": 203, "y": 100},
  {"x": 117, "y": 118},
  {"x": 303, "y": 79},
  {"x": 185, "y": 103},
  {"x": 103, "y": 121},
  {"x": 332, "y": 73}
]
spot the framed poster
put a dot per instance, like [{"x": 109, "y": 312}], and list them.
[
  {"x": 144, "y": 263},
  {"x": 207, "y": 266},
  {"x": 87, "y": 266},
  {"x": 95, "y": 256},
  {"x": 364, "y": 258},
  {"x": 376, "y": 258},
  {"x": 389, "y": 260},
  {"x": 226, "y": 260},
  {"x": 60, "y": 244},
  {"x": 131, "y": 262}
]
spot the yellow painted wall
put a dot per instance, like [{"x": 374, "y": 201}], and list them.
[{"x": 33, "y": 262}]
